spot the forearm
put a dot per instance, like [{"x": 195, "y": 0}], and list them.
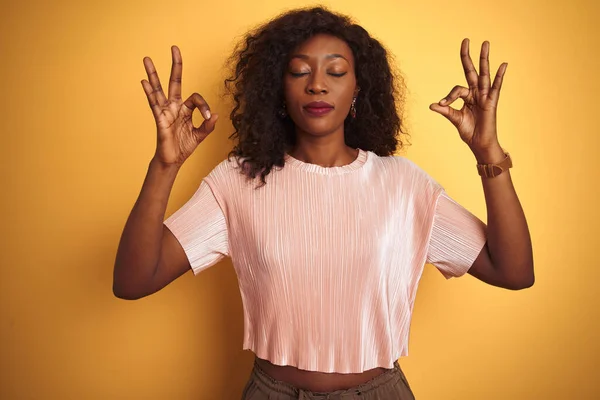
[
  {"x": 140, "y": 245},
  {"x": 508, "y": 237}
]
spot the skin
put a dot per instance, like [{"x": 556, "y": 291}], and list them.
[
  {"x": 149, "y": 257},
  {"x": 507, "y": 259},
  {"x": 313, "y": 75}
]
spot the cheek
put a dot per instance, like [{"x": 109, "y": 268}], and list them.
[
  {"x": 345, "y": 89},
  {"x": 294, "y": 101},
  {"x": 345, "y": 100},
  {"x": 291, "y": 90},
  {"x": 351, "y": 87}
]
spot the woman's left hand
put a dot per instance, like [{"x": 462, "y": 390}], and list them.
[{"x": 476, "y": 120}]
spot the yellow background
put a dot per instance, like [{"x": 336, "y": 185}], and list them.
[{"x": 77, "y": 136}]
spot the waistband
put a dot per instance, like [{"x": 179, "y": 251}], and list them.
[{"x": 389, "y": 377}]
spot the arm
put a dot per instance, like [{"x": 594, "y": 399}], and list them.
[
  {"x": 507, "y": 257},
  {"x": 149, "y": 257}
]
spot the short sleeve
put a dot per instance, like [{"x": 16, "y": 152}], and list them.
[
  {"x": 457, "y": 238},
  {"x": 200, "y": 226}
]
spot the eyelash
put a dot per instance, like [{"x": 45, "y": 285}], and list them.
[{"x": 298, "y": 75}]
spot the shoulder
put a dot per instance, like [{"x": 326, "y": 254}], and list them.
[
  {"x": 225, "y": 170},
  {"x": 396, "y": 162},
  {"x": 228, "y": 179},
  {"x": 404, "y": 168}
]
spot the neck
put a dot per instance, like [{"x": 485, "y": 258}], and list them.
[{"x": 324, "y": 155}]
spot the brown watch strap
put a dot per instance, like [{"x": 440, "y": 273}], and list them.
[{"x": 493, "y": 170}]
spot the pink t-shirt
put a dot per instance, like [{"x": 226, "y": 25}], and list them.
[{"x": 328, "y": 260}]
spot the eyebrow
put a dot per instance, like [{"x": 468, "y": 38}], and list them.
[{"x": 305, "y": 57}]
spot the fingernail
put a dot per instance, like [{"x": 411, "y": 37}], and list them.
[
  {"x": 442, "y": 101},
  {"x": 207, "y": 114}
]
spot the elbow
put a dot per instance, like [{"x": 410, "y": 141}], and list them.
[
  {"x": 130, "y": 286},
  {"x": 525, "y": 284},
  {"x": 524, "y": 281},
  {"x": 123, "y": 290},
  {"x": 124, "y": 294}
]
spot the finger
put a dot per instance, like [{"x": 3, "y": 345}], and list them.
[
  {"x": 197, "y": 101},
  {"x": 450, "y": 113},
  {"x": 467, "y": 63},
  {"x": 484, "y": 69},
  {"x": 154, "y": 81},
  {"x": 176, "y": 73},
  {"x": 495, "y": 92},
  {"x": 207, "y": 127},
  {"x": 457, "y": 92},
  {"x": 154, "y": 106}
]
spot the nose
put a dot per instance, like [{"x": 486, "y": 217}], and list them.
[{"x": 316, "y": 85}]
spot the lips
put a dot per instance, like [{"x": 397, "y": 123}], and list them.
[{"x": 318, "y": 108}]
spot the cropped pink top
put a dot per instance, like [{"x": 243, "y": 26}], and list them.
[{"x": 328, "y": 260}]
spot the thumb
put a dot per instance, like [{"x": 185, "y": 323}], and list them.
[
  {"x": 208, "y": 125},
  {"x": 450, "y": 113}
]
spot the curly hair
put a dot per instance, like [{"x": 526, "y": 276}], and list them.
[{"x": 257, "y": 68}]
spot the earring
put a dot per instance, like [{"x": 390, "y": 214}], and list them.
[
  {"x": 353, "y": 108},
  {"x": 282, "y": 111}
]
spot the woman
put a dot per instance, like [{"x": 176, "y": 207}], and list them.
[{"x": 328, "y": 231}]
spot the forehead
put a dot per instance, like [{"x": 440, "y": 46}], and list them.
[{"x": 323, "y": 46}]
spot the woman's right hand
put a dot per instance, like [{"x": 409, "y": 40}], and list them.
[{"x": 177, "y": 137}]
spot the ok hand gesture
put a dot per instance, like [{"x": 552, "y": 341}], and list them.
[
  {"x": 476, "y": 120},
  {"x": 177, "y": 137}
]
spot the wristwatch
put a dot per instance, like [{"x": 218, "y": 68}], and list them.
[{"x": 493, "y": 170}]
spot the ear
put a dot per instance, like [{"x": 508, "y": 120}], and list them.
[{"x": 356, "y": 91}]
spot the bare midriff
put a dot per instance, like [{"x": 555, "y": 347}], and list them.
[{"x": 316, "y": 381}]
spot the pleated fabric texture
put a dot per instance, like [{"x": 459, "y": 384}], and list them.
[
  {"x": 391, "y": 385},
  {"x": 328, "y": 260}
]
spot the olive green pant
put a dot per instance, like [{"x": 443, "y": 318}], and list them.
[{"x": 390, "y": 385}]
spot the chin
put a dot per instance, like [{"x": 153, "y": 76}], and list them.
[
  {"x": 319, "y": 132},
  {"x": 319, "y": 128}
]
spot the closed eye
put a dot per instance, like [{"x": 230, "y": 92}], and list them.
[{"x": 299, "y": 74}]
